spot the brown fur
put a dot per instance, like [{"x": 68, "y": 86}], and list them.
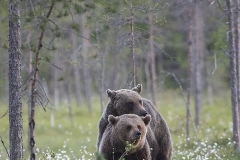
[
  {"x": 130, "y": 102},
  {"x": 127, "y": 127}
]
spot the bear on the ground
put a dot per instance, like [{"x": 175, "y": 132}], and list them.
[
  {"x": 125, "y": 137},
  {"x": 125, "y": 101}
]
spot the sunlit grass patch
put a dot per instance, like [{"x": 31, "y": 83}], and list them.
[{"x": 203, "y": 149}]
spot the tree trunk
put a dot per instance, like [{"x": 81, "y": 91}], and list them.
[
  {"x": 29, "y": 85},
  {"x": 56, "y": 90},
  {"x": 76, "y": 70},
  {"x": 148, "y": 78},
  {"x": 190, "y": 67},
  {"x": 153, "y": 61},
  {"x": 86, "y": 74},
  {"x": 133, "y": 84},
  {"x": 117, "y": 76},
  {"x": 15, "y": 104},
  {"x": 209, "y": 82},
  {"x": 56, "y": 83},
  {"x": 34, "y": 90},
  {"x": 199, "y": 54},
  {"x": 69, "y": 99},
  {"x": 233, "y": 41},
  {"x": 101, "y": 88}
]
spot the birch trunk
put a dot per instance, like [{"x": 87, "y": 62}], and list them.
[
  {"x": 190, "y": 68},
  {"x": 86, "y": 74},
  {"x": 153, "y": 61},
  {"x": 199, "y": 54},
  {"x": 76, "y": 70}
]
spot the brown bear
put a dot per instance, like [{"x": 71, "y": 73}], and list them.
[
  {"x": 125, "y": 137},
  {"x": 125, "y": 101}
]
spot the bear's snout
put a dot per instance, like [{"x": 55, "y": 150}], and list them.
[
  {"x": 138, "y": 134},
  {"x": 143, "y": 113}
]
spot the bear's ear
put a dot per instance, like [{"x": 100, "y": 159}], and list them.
[
  {"x": 113, "y": 120},
  {"x": 111, "y": 93},
  {"x": 138, "y": 88},
  {"x": 146, "y": 119}
]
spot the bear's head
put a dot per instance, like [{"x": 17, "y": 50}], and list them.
[
  {"x": 126, "y": 101},
  {"x": 130, "y": 128}
]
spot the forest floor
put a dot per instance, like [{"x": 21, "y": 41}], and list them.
[{"x": 76, "y": 139}]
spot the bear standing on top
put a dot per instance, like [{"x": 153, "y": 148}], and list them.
[
  {"x": 126, "y": 101},
  {"x": 125, "y": 137}
]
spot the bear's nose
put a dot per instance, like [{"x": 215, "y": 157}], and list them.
[
  {"x": 143, "y": 114},
  {"x": 138, "y": 134}
]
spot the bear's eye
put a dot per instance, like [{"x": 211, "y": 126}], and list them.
[
  {"x": 140, "y": 101},
  {"x": 139, "y": 127},
  {"x": 130, "y": 105},
  {"x": 129, "y": 127}
]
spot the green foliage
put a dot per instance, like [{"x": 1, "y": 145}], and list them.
[
  {"x": 129, "y": 146},
  {"x": 59, "y": 15},
  {"x": 75, "y": 26},
  {"x": 30, "y": 16},
  {"x": 61, "y": 78},
  {"x": 42, "y": 26},
  {"x": 50, "y": 155},
  {"x": 218, "y": 38},
  {"x": 106, "y": 27},
  {"x": 99, "y": 156},
  {"x": 48, "y": 58},
  {"x": 79, "y": 9},
  {"x": 57, "y": 31},
  {"x": 89, "y": 6},
  {"x": 110, "y": 9}
]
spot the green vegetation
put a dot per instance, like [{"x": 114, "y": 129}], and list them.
[
  {"x": 128, "y": 148},
  {"x": 212, "y": 139}
]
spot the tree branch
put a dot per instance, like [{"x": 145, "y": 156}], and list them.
[{"x": 4, "y": 147}]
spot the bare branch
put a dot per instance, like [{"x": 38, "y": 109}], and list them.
[
  {"x": 220, "y": 6},
  {"x": 4, "y": 114},
  {"x": 215, "y": 63},
  {"x": 45, "y": 95},
  {"x": 184, "y": 97},
  {"x": 51, "y": 63},
  {"x": 4, "y": 146}
]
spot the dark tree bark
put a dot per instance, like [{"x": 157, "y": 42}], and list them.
[
  {"x": 29, "y": 85},
  {"x": 133, "y": 84},
  {"x": 199, "y": 63},
  {"x": 153, "y": 61},
  {"x": 117, "y": 75},
  {"x": 34, "y": 92},
  {"x": 56, "y": 82},
  {"x": 102, "y": 80},
  {"x": 190, "y": 67},
  {"x": 68, "y": 93},
  {"x": 233, "y": 41},
  {"x": 76, "y": 69},
  {"x": 15, "y": 104},
  {"x": 209, "y": 81},
  {"x": 148, "y": 78}
]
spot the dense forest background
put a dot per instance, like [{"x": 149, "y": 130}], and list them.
[
  {"x": 80, "y": 48},
  {"x": 86, "y": 42}
]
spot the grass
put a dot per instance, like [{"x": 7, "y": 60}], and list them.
[{"x": 77, "y": 140}]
